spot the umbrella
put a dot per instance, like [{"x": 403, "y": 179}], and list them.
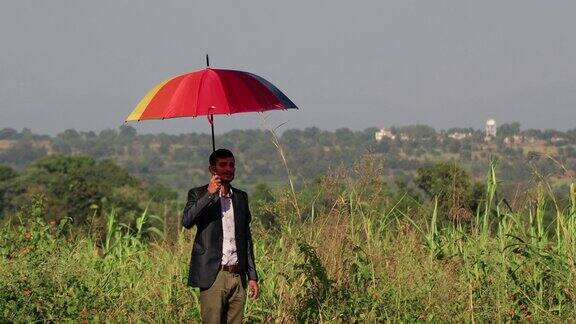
[{"x": 210, "y": 92}]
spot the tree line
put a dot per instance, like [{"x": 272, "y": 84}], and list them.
[{"x": 180, "y": 161}]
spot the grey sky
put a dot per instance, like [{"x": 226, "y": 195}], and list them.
[{"x": 357, "y": 64}]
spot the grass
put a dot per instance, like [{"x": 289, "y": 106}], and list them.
[{"x": 347, "y": 254}]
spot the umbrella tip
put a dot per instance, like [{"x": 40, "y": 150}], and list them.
[{"x": 207, "y": 61}]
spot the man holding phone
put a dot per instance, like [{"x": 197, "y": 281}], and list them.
[{"x": 222, "y": 263}]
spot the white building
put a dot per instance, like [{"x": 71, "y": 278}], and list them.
[
  {"x": 384, "y": 133},
  {"x": 490, "y": 129}
]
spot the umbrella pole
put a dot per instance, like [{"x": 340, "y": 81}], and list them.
[
  {"x": 211, "y": 116},
  {"x": 212, "y": 126}
]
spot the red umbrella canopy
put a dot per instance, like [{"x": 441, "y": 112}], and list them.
[{"x": 210, "y": 92}]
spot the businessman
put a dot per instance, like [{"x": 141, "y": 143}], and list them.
[{"x": 222, "y": 263}]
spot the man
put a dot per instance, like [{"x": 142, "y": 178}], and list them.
[{"x": 222, "y": 254}]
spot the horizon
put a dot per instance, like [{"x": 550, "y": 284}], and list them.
[{"x": 279, "y": 130}]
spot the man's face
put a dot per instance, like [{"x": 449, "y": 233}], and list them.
[{"x": 224, "y": 168}]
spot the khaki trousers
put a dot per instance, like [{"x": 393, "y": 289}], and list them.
[{"x": 224, "y": 301}]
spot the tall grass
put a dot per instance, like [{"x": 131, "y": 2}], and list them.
[{"x": 348, "y": 254}]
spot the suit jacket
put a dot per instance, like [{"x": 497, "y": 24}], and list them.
[{"x": 203, "y": 210}]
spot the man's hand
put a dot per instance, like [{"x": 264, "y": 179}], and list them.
[
  {"x": 215, "y": 184},
  {"x": 253, "y": 291}
]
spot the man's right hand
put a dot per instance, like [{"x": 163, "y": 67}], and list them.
[{"x": 215, "y": 184}]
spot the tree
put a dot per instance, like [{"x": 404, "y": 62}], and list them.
[
  {"x": 448, "y": 182},
  {"x": 345, "y": 136},
  {"x": 453, "y": 145},
  {"x": 69, "y": 135},
  {"x": 535, "y": 133},
  {"x": 9, "y": 134},
  {"x": 61, "y": 146},
  {"x": 74, "y": 185},
  {"x": 127, "y": 132},
  {"x": 418, "y": 131},
  {"x": 508, "y": 129},
  {"x": 108, "y": 135},
  {"x": 383, "y": 146},
  {"x": 22, "y": 153},
  {"x": 7, "y": 174}
]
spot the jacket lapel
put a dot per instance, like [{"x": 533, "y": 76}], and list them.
[{"x": 217, "y": 210}]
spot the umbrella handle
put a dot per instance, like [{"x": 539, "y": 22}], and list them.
[{"x": 211, "y": 119}]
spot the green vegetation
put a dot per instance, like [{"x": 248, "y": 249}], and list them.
[
  {"x": 452, "y": 187},
  {"x": 79, "y": 188},
  {"x": 179, "y": 161},
  {"x": 348, "y": 249},
  {"x": 404, "y": 229}
]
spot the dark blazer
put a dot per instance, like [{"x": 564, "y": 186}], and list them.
[{"x": 203, "y": 210}]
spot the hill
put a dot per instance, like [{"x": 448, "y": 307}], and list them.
[{"x": 180, "y": 161}]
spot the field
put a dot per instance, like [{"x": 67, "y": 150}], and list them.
[
  {"x": 342, "y": 252},
  {"x": 5, "y": 144}
]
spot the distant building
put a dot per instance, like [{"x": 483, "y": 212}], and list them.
[
  {"x": 558, "y": 140},
  {"x": 514, "y": 140},
  {"x": 384, "y": 133},
  {"x": 459, "y": 136},
  {"x": 490, "y": 129}
]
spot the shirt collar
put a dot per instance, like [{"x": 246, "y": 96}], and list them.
[{"x": 230, "y": 192}]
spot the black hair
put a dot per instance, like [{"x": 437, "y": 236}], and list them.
[{"x": 219, "y": 154}]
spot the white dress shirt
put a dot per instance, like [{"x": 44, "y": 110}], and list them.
[{"x": 229, "y": 256}]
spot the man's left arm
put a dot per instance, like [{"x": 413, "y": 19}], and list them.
[{"x": 251, "y": 264}]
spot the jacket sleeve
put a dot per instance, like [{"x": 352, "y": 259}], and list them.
[
  {"x": 252, "y": 275},
  {"x": 194, "y": 207}
]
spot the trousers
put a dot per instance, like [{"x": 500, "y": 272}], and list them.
[{"x": 224, "y": 301}]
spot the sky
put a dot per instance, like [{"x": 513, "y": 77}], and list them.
[{"x": 355, "y": 64}]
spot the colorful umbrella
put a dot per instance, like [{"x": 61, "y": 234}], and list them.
[{"x": 210, "y": 92}]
